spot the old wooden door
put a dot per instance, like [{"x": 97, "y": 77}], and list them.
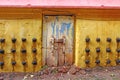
[{"x": 58, "y": 36}]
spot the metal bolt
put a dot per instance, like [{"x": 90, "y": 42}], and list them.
[
  {"x": 34, "y": 40},
  {"x": 34, "y": 50},
  {"x": 87, "y": 39},
  {"x": 108, "y": 50},
  {"x": 117, "y": 39},
  {"x": 23, "y": 62},
  {"x": 13, "y": 50},
  {"x": 97, "y": 50},
  {"x": 118, "y": 61},
  {"x": 87, "y": 50},
  {"x": 2, "y": 40},
  {"x": 1, "y": 63},
  {"x": 108, "y": 62},
  {"x": 87, "y": 61},
  {"x": 23, "y": 51},
  {"x": 98, "y": 39},
  {"x": 2, "y": 51},
  {"x": 34, "y": 62},
  {"x": 13, "y": 40},
  {"x": 23, "y": 39},
  {"x": 97, "y": 61},
  {"x": 118, "y": 50},
  {"x": 109, "y": 39},
  {"x": 13, "y": 62}
]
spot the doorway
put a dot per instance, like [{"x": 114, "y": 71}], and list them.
[{"x": 58, "y": 40}]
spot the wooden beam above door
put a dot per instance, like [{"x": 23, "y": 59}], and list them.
[{"x": 83, "y": 13}]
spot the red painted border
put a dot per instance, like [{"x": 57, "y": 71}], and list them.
[{"x": 61, "y": 3}]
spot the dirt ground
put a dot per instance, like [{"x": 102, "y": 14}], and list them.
[{"x": 66, "y": 73}]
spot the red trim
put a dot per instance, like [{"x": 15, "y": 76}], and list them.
[
  {"x": 95, "y": 7},
  {"x": 61, "y": 3}
]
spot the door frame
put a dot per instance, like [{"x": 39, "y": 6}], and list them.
[{"x": 74, "y": 39}]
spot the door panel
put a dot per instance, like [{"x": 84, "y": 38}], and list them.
[{"x": 56, "y": 29}]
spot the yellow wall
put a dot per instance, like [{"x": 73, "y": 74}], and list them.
[
  {"x": 30, "y": 28},
  {"x": 20, "y": 28},
  {"x": 27, "y": 22},
  {"x": 94, "y": 29}
]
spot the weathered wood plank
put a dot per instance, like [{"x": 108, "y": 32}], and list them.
[
  {"x": 61, "y": 55},
  {"x": 44, "y": 42},
  {"x": 44, "y": 56},
  {"x": 69, "y": 57},
  {"x": 51, "y": 54},
  {"x": 67, "y": 30},
  {"x": 52, "y": 58}
]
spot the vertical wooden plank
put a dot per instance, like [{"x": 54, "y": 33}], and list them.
[
  {"x": 67, "y": 30},
  {"x": 61, "y": 55},
  {"x": 51, "y": 56},
  {"x": 44, "y": 56},
  {"x": 44, "y": 41},
  {"x": 69, "y": 56},
  {"x": 53, "y": 59}
]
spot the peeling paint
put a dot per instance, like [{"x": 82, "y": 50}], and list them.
[
  {"x": 59, "y": 26},
  {"x": 53, "y": 27}
]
